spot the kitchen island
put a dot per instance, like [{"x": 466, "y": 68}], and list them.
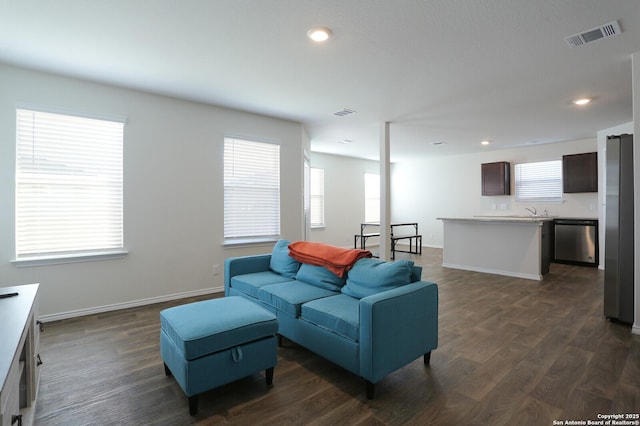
[{"x": 515, "y": 246}]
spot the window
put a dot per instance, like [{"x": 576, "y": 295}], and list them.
[
  {"x": 68, "y": 185},
  {"x": 251, "y": 191},
  {"x": 539, "y": 182},
  {"x": 371, "y": 198},
  {"x": 317, "y": 197}
]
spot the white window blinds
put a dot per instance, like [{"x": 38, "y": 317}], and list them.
[
  {"x": 317, "y": 197},
  {"x": 539, "y": 182},
  {"x": 68, "y": 184},
  {"x": 251, "y": 191},
  {"x": 371, "y": 198}
]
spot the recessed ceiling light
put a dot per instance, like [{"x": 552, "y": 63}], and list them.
[
  {"x": 582, "y": 101},
  {"x": 319, "y": 34},
  {"x": 485, "y": 142}
]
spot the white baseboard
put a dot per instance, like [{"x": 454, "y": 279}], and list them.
[
  {"x": 494, "y": 271},
  {"x": 635, "y": 329},
  {"x": 131, "y": 304},
  {"x": 435, "y": 246}
]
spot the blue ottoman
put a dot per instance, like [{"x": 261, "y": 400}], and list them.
[{"x": 210, "y": 343}]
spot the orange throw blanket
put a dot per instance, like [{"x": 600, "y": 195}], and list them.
[{"x": 336, "y": 259}]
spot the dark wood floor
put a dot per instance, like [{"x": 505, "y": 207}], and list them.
[{"x": 511, "y": 351}]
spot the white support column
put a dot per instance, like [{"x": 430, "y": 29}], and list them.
[
  {"x": 635, "y": 79},
  {"x": 385, "y": 193}
]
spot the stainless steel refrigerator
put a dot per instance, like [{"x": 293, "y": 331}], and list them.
[{"x": 618, "y": 257}]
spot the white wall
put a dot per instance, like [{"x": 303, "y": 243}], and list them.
[
  {"x": 450, "y": 186},
  {"x": 440, "y": 186},
  {"x": 344, "y": 197},
  {"x": 173, "y": 194}
]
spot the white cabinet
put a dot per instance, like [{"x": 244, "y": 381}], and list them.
[{"x": 19, "y": 354}]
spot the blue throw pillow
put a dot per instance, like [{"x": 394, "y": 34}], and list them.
[
  {"x": 281, "y": 262},
  {"x": 319, "y": 276},
  {"x": 371, "y": 276},
  {"x": 416, "y": 273}
]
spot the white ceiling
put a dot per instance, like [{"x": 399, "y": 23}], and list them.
[{"x": 457, "y": 71}]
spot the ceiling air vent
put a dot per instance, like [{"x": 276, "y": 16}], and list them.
[
  {"x": 607, "y": 30},
  {"x": 343, "y": 112}
]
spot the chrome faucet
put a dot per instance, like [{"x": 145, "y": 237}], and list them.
[{"x": 532, "y": 210}]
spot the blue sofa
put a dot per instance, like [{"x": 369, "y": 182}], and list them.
[{"x": 377, "y": 319}]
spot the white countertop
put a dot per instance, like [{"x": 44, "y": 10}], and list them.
[{"x": 498, "y": 219}]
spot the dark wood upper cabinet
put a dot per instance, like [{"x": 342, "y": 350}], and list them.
[
  {"x": 496, "y": 178},
  {"x": 580, "y": 172}
]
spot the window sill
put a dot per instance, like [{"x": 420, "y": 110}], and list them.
[
  {"x": 249, "y": 243},
  {"x": 540, "y": 201},
  {"x": 26, "y": 262}
]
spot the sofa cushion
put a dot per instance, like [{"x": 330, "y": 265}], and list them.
[
  {"x": 320, "y": 276},
  {"x": 250, "y": 283},
  {"x": 371, "y": 276},
  {"x": 281, "y": 262},
  {"x": 288, "y": 296},
  {"x": 339, "y": 314}
]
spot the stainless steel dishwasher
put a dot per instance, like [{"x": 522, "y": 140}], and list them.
[{"x": 576, "y": 241}]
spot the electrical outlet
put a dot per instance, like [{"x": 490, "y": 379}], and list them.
[{"x": 216, "y": 269}]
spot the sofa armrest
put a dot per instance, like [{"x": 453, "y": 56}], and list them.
[
  {"x": 396, "y": 327},
  {"x": 244, "y": 265}
]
